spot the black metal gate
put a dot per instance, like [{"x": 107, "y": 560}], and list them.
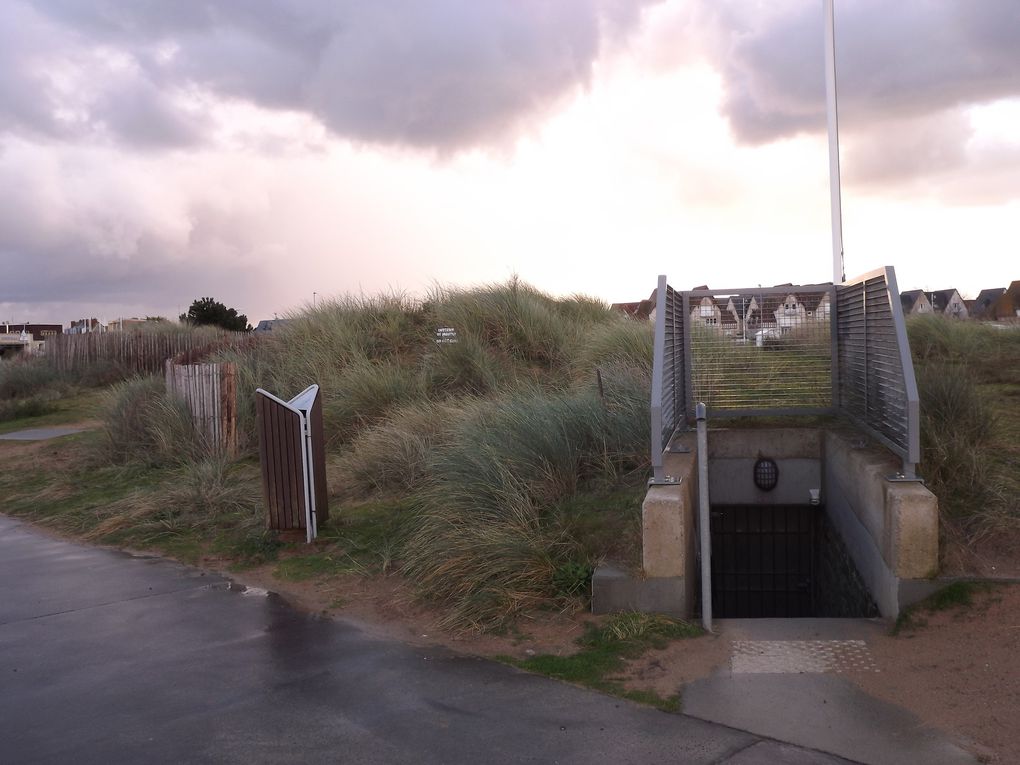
[{"x": 763, "y": 560}]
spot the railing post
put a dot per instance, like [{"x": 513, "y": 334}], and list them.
[{"x": 704, "y": 518}]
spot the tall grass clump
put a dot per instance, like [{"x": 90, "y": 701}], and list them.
[
  {"x": 957, "y": 430},
  {"x": 467, "y": 367},
  {"x": 487, "y": 542},
  {"x": 30, "y": 378},
  {"x": 968, "y": 377},
  {"x": 618, "y": 342},
  {"x": 142, "y": 424},
  {"x": 393, "y": 457},
  {"x": 348, "y": 329},
  {"x": 513, "y": 318}
]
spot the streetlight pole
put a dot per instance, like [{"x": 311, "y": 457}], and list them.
[
  {"x": 314, "y": 295},
  {"x": 832, "y": 119}
]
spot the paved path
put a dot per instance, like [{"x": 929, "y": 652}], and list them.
[
  {"x": 40, "y": 434},
  {"x": 106, "y": 657},
  {"x": 786, "y": 679}
]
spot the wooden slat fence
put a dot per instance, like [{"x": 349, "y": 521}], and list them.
[
  {"x": 210, "y": 391},
  {"x": 135, "y": 352}
]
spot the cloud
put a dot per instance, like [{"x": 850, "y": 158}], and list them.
[
  {"x": 80, "y": 227},
  {"x": 440, "y": 75},
  {"x": 908, "y": 72},
  {"x": 902, "y": 59}
]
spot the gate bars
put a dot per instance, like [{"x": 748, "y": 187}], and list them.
[{"x": 787, "y": 350}]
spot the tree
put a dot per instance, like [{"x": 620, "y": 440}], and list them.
[{"x": 209, "y": 311}]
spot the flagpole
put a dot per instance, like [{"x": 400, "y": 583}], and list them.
[{"x": 832, "y": 118}]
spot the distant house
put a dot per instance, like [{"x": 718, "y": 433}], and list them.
[
  {"x": 948, "y": 303},
  {"x": 37, "y": 332},
  {"x": 268, "y": 325},
  {"x": 915, "y": 301},
  {"x": 981, "y": 306},
  {"x": 758, "y": 316},
  {"x": 1008, "y": 304},
  {"x": 642, "y": 310},
  {"x": 121, "y": 325},
  {"x": 82, "y": 326}
]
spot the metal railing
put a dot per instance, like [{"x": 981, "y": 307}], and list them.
[
  {"x": 668, "y": 374},
  {"x": 812, "y": 349},
  {"x": 878, "y": 391}
]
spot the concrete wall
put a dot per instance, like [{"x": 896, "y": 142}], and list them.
[
  {"x": 733, "y": 452},
  {"x": 890, "y": 528},
  {"x": 669, "y": 554}
]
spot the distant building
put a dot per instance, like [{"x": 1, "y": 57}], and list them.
[
  {"x": 37, "y": 332},
  {"x": 1008, "y": 304},
  {"x": 642, "y": 310},
  {"x": 915, "y": 301},
  {"x": 120, "y": 325},
  {"x": 82, "y": 326},
  {"x": 948, "y": 303},
  {"x": 981, "y": 306},
  {"x": 268, "y": 325}
]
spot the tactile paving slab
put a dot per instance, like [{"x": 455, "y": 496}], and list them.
[{"x": 798, "y": 656}]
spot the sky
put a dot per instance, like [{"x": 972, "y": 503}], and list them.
[{"x": 269, "y": 153}]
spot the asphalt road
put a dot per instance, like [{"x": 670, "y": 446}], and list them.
[{"x": 111, "y": 658}]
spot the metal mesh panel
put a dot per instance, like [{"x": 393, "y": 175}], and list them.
[
  {"x": 668, "y": 372},
  {"x": 766, "y": 349},
  {"x": 877, "y": 389},
  {"x": 812, "y": 349},
  {"x": 673, "y": 369}
]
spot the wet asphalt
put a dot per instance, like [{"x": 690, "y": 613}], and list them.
[{"x": 107, "y": 657}]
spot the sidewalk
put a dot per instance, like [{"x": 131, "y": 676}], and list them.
[
  {"x": 107, "y": 657},
  {"x": 786, "y": 680}
]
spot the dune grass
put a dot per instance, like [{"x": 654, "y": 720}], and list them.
[
  {"x": 968, "y": 377},
  {"x": 463, "y": 466}
]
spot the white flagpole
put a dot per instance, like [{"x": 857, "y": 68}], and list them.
[{"x": 832, "y": 118}]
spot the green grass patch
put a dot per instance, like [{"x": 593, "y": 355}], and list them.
[
  {"x": 301, "y": 568},
  {"x": 59, "y": 411},
  {"x": 958, "y": 596},
  {"x": 605, "y": 651}
]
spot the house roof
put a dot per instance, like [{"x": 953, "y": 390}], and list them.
[
  {"x": 984, "y": 301},
  {"x": 908, "y": 299},
  {"x": 940, "y": 298}
]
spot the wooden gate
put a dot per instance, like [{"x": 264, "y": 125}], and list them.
[{"x": 292, "y": 451}]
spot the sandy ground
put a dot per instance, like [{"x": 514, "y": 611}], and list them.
[{"x": 959, "y": 672}]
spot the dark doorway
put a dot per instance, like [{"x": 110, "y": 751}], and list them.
[{"x": 763, "y": 560}]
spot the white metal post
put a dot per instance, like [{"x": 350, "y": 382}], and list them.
[
  {"x": 701, "y": 413},
  {"x": 832, "y": 118}
]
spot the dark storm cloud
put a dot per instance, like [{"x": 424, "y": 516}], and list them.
[
  {"x": 442, "y": 74},
  {"x": 894, "y": 60}
]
